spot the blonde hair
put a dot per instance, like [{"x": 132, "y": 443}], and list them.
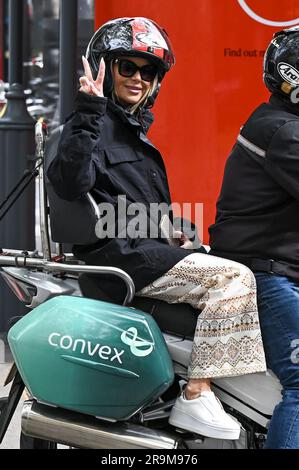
[{"x": 135, "y": 107}]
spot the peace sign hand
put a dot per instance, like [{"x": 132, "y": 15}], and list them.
[{"x": 88, "y": 84}]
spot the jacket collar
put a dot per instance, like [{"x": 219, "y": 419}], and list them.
[
  {"x": 143, "y": 121},
  {"x": 276, "y": 100}
]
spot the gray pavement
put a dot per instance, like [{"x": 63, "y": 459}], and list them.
[
  {"x": 12, "y": 436},
  {"x": 11, "y": 439}
]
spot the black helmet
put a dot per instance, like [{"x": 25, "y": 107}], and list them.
[
  {"x": 281, "y": 62},
  {"x": 130, "y": 36}
]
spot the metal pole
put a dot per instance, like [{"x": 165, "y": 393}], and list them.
[
  {"x": 1, "y": 41},
  {"x": 17, "y": 229},
  {"x": 68, "y": 56},
  {"x": 50, "y": 266},
  {"x": 15, "y": 69}
]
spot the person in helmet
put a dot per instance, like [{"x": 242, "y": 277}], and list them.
[
  {"x": 257, "y": 223},
  {"x": 104, "y": 149}
]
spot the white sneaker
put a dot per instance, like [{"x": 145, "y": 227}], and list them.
[{"x": 204, "y": 415}]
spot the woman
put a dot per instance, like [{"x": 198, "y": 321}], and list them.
[{"x": 104, "y": 149}]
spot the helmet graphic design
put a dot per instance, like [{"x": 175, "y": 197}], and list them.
[
  {"x": 281, "y": 63},
  {"x": 130, "y": 36}
]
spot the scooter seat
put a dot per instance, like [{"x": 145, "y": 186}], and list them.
[{"x": 177, "y": 319}]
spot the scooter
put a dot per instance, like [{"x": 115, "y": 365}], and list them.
[{"x": 100, "y": 375}]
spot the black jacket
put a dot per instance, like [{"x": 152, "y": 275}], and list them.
[
  {"x": 104, "y": 150},
  {"x": 258, "y": 207}
]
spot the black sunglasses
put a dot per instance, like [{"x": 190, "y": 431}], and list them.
[{"x": 127, "y": 68}]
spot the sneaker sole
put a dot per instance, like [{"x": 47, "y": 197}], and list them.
[{"x": 191, "y": 424}]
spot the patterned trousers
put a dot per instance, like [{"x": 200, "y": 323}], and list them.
[{"x": 227, "y": 340}]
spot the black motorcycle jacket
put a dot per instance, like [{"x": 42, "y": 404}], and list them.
[
  {"x": 104, "y": 150},
  {"x": 257, "y": 210}
]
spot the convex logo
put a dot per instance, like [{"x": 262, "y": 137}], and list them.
[
  {"x": 82, "y": 346},
  {"x": 138, "y": 346}
]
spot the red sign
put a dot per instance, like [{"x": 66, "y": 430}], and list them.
[{"x": 215, "y": 84}]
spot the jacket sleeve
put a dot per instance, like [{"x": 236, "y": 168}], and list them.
[
  {"x": 73, "y": 171},
  {"x": 282, "y": 159}
]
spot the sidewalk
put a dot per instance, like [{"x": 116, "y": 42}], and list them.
[
  {"x": 11, "y": 440},
  {"x": 12, "y": 437}
]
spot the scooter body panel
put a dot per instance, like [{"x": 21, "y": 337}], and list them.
[{"x": 91, "y": 356}]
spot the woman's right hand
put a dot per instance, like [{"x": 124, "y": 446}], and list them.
[
  {"x": 185, "y": 241},
  {"x": 88, "y": 84}
]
